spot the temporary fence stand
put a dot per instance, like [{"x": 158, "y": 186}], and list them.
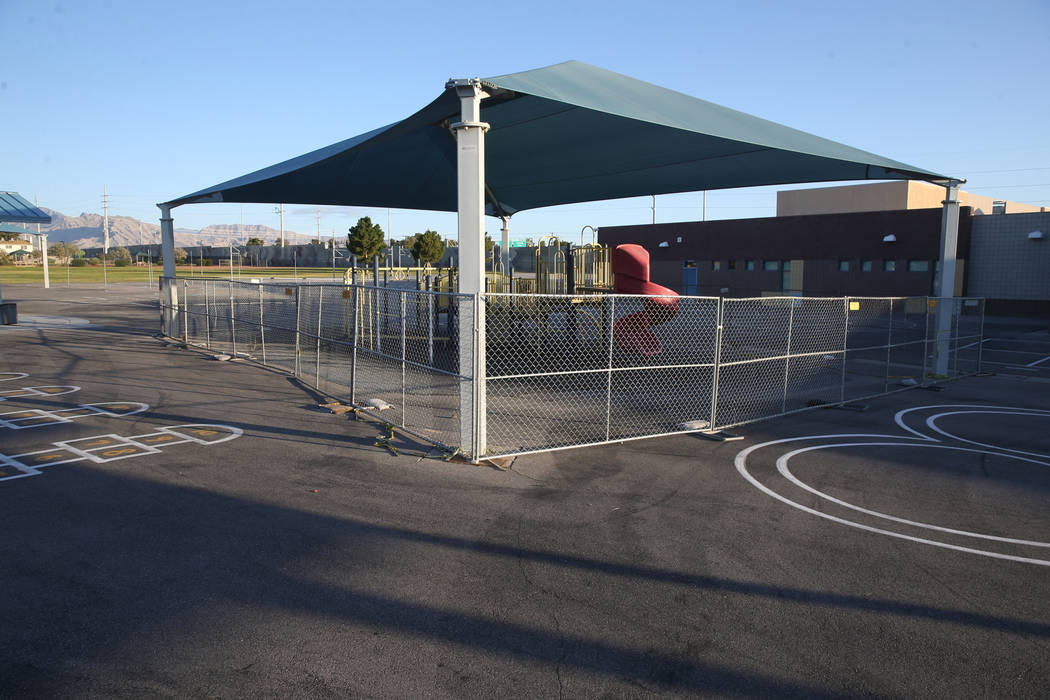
[
  {"x": 946, "y": 287},
  {"x": 470, "y": 175}
]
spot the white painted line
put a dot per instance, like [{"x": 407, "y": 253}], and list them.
[
  {"x": 932, "y": 423},
  {"x": 918, "y": 439},
  {"x": 1038, "y": 362},
  {"x": 740, "y": 461},
  {"x": 8, "y": 376},
  {"x": 783, "y": 469}
]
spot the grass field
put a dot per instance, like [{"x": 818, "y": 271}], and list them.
[{"x": 60, "y": 274}]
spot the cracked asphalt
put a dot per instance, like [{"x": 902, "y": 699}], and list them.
[{"x": 277, "y": 552}]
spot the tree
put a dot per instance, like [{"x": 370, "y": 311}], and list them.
[
  {"x": 428, "y": 248},
  {"x": 181, "y": 256},
  {"x": 120, "y": 253},
  {"x": 5, "y": 259},
  {"x": 489, "y": 244},
  {"x": 255, "y": 241},
  {"x": 277, "y": 242},
  {"x": 365, "y": 239},
  {"x": 64, "y": 251}
]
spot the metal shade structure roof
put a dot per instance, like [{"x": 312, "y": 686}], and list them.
[
  {"x": 14, "y": 208},
  {"x": 566, "y": 133}
]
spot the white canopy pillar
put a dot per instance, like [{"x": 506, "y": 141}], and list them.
[
  {"x": 946, "y": 278},
  {"x": 470, "y": 177},
  {"x": 43, "y": 255},
  {"x": 169, "y": 300}
]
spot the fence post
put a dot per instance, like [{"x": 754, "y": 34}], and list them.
[
  {"x": 925, "y": 338},
  {"x": 889, "y": 349},
  {"x": 295, "y": 366},
  {"x": 353, "y": 352},
  {"x": 317, "y": 359},
  {"x": 233, "y": 323},
  {"x": 207, "y": 316},
  {"x": 431, "y": 320},
  {"x": 715, "y": 371},
  {"x": 980, "y": 338},
  {"x": 787, "y": 358},
  {"x": 609, "y": 373},
  {"x": 262, "y": 328},
  {"x": 184, "y": 309},
  {"x": 403, "y": 382},
  {"x": 845, "y": 348}
]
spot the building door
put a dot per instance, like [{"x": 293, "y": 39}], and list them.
[{"x": 689, "y": 278}]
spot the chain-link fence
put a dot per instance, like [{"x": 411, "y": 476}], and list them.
[
  {"x": 393, "y": 352},
  {"x": 559, "y": 371},
  {"x": 567, "y": 371}
]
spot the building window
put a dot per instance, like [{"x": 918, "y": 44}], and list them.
[
  {"x": 843, "y": 265},
  {"x": 865, "y": 266},
  {"x": 716, "y": 265},
  {"x": 770, "y": 265},
  {"x": 731, "y": 264},
  {"x": 889, "y": 265},
  {"x": 918, "y": 266},
  {"x": 785, "y": 275},
  {"x": 689, "y": 263},
  {"x": 749, "y": 265}
]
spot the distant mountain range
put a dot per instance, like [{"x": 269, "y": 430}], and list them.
[{"x": 85, "y": 231}]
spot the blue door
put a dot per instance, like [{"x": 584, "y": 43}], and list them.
[{"x": 689, "y": 278}]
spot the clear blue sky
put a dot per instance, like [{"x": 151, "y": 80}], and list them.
[{"x": 155, "y": 100}]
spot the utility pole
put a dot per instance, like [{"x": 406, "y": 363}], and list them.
[
  {"x": 105, "y": 221},
  {"x": 317, "y": 212},
  {"x": 703, "y": 207},
  {"x": 654, "y": 208},
  {"x": 282, "y": 225}
]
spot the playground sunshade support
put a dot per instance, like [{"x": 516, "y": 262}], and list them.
[
  {"x": 15, "y": 209},
  {"x": 566, "y": 133}
]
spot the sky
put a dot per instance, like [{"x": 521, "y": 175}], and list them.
[{"x": 153, "y": 100}]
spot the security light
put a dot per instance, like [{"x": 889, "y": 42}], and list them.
[
  {"x": 889, "y": 238},
  {"x": 1036, "y": 235}
]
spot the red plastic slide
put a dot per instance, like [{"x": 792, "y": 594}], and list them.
[{"x": 633, "y": 333}]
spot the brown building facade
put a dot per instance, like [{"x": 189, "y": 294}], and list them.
[{"x": 880, "y": 253}]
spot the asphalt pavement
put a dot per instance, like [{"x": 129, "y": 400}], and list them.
[{"x": 178, "y": 526}]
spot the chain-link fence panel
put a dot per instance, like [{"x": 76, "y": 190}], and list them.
[{"x": 566, "y": 370}]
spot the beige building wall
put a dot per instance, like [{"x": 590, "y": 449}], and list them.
[{"x": 882, "y": 196}]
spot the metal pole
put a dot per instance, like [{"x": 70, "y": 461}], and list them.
[
  {"x": 353, "y": 355},
  {"x": 262, "y": 328},
  {"x": 980, "y": 338},
  {"x": 207, "y": 314},
  {"x": 105, "y": 276},
  {"x": 719, "y": 321},
  {"x": 787, "y": 359},
  {"x": 185, "y": 316},
  {"x": 403, "y": 382},
  {"x": 925, "y": 339},
  {"x": 946, "y": 287},
  {"x": 317, "y": 362},
  {"x": 889, "y": 349},
  {"x": 233, "y": 325},
  {"x": 845, "y": 345},
  {"x": 470, "y": 186},
  {"x": 609, "y": 373},
  {"x": 43, "y": 255},
  {"x": 295, "y": 367}
]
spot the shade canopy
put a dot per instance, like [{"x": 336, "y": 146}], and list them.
[
  {"x": 14, "y": 208},
  {"x": 562, "y": 134}
]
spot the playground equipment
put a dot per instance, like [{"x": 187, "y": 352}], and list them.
[{"x": 633, "y": 333}]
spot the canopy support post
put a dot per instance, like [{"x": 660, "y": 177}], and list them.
[
  {"x": 470, "y": 181},
  {"x": 504, "y": 243},
  {"x": 43, "y": 255},
  {"x": 167, "y": 242},
  {"x": 946, "y": 280}
]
